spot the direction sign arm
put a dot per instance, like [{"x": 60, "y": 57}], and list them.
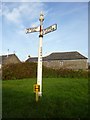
[
  {"x": 34, "y": 29},
  {"x": 50, "y": 29}
]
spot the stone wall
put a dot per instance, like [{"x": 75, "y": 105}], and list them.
[{"x": 67, "y": 64}]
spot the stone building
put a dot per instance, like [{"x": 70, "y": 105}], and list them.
[
  {"x": 66, "y": 60},
  {"x": 9, "y": 59}
]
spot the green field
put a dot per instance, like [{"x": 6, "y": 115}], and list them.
[{"x": 62, "y": 98}]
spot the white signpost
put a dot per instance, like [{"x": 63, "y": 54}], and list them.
[
  {"x": 50, "y": 29},
  {"x": 30, "y": 30},
  {"x": 38, "y": 86}
]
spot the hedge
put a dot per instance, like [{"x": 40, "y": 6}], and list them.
[
  {"x": 19, "y": 71},
  {"x": 29, "y": 70}
]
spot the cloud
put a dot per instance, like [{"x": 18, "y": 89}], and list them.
[
  {"x": 13, "y": 16},
  {"x": 28, "y": 11},
  {"x": 21, "y": 16},
  {"x": 10, "y": 15}
]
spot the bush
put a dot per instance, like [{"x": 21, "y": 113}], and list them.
[
  {"x": 72, "y": 73},
  {"x": 19, "y": 71},
  {"x": 29, "y": 70}
]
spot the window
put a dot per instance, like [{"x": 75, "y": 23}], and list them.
[{"x": 61, "y": 63}]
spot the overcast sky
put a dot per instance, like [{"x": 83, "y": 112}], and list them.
[{"x": 71, "y": 34}]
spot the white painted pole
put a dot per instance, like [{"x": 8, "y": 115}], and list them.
[
  {"x": 39, "y": 72},
  {"x": 39, "y": 69}
]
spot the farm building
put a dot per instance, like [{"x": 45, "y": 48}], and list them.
[
  {"x": 9, "y": 59},
  {"x": 66, "y": 60}
]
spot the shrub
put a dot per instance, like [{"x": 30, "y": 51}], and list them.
[
  {"x": 19, "y": 71},
  {"x": 29, "y": 70}
]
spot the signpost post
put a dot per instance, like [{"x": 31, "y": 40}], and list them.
[{"x": 38, "y": 86}]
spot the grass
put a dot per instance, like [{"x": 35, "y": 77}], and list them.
[{"x": 62, "y": 98}]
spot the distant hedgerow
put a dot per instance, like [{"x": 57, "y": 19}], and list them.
[
  {"x": 19, "y": 71},
  {"x": 29, "y": 70}
]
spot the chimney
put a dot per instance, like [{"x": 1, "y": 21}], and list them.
[
  {"x": 14, "y": 52},
  {"x": 7, "y": 52},
  {"x": 29, "y": 56}
]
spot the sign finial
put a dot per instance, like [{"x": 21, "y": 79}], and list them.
[{"x": 41, "y": 17}]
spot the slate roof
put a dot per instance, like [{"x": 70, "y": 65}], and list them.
[
  {"x": 32, "y": 59},
  {"x": 59, "y": 56},
  {"x": 4, "y": 58}
]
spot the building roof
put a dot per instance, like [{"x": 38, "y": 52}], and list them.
[
  {"x": 59, "y": 56},
  {"x": 32, "y": 59},
  {"x": 65, "y": 56},
  {"x": 4, "y": 58}
]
